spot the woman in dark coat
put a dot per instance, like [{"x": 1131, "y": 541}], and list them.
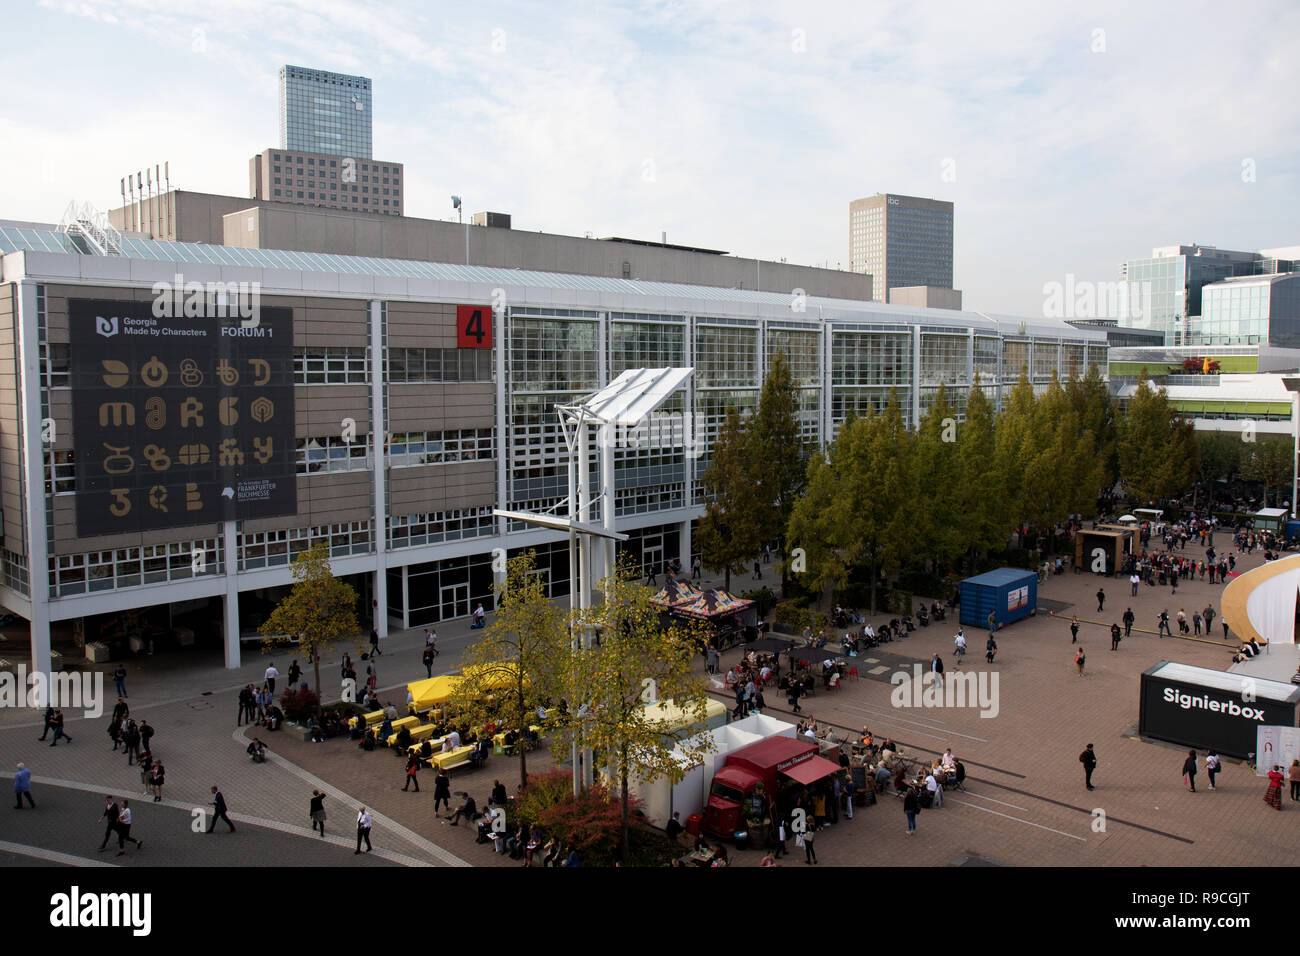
[{"x": 1189, "y": 770}]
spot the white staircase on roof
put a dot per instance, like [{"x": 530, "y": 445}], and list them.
[{"x": 90, "y": 230}]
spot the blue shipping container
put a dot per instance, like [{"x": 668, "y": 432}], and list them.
[{"x": 1010, "y": 593}]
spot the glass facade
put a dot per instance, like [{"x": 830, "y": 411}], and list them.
[
  {"x": 323, "y": 112},
  {"x": 901, "y": 241},
  {"x": 1251, "y": 312}
]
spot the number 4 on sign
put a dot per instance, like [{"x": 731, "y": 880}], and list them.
[{"x": 474, "y": 326}]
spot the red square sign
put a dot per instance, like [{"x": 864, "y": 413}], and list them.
[{"x": 474, "y": 326}]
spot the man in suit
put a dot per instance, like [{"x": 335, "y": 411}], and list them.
[
  {"x": 219, "y": 811},
  {"x": 363, "y": 828},
  {"x": 109, "y": 817}
]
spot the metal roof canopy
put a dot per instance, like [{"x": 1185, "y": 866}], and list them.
[
  {"x": 557, "y": 523},
  {"x": 632, "y": 396}
]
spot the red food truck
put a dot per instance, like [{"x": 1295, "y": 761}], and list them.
[{"x": 758, "y": 776}]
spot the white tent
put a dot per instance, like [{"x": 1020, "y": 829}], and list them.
[{"x": 689, "y": 795}]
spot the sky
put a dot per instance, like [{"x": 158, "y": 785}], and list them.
[{"x": 1070, "y": 137}]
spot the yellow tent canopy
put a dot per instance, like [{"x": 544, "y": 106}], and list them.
[{"x": 434, "y": 691}]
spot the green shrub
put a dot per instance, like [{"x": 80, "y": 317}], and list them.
[
  {"x": 764, "y": 598},
  {"x": 792, "y": 619}
]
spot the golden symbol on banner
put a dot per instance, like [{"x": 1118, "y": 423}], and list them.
[
  {"x": 118, "y": 413},
  {"x": 155, "y": 413},
  {"x": 117, "y": 462},
  {"x": 261, "y": 408},
  {"x": 157, "y": 495},
  {"x": 192, "y": 500},
  {"x": 263, "y": 370},
  {"x": 153, "y": 372},
  {"x": 157, "y": 458},
  {"x": 229, "y": 454},
  {"x": 263, "y": 448},
  {"x": 227, "y": 373},
  {"x": 116, "y": 374},
  {"x": 191, "y": 411},
  {"x": 121, "y": 506},
  {"x": 193, "y": 454},
  {"x": 190, "y": 374},
  {"x": 226, "y": 411}
]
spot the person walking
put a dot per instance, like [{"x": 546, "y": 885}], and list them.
[
  {"x": 317, "y": 812},
  {"x": 1101, "y": 599},
  {"x": 1293, "y": 774},
  {"x": 1074, "y": 630},
  {"x": 219, "y": 811},
  {"x": 428, "y": 660},
  {"x": 1208, "y": 614},
  {"x": 294, "y": 673},
  {"x": 1196, "y": 623},
  {"x": 245, "y": 706},
  {"x": 990, "y": 649},
  {"x": 1273, "y": 795},
  {"x": 58, "y": 729},
  {"x": 1212, "y": 766},
  {"x": 412, "y": 772},
  {"x": 270, "y": 676},
  {"x": 1133, "y": 583},
  {"x": 758, "y": 572},
  {"x": 936, "y": 668},
  {"x": 809, "y": 854},
  {"x": 124, "y": 829},
  {"x": 119, "y": 680},
  {"x": 363, "y": 828},
  {"x": 1224, "y": 623},
  {"x": 110, "y": 814},
  {"x": 911, "y": 807},
  {"x": 959, "y": 646},
  {"x": 1114, "y": 637},
  {"x": 374, "y": 644},
  {"x": 1189, "y": 770},
  {"x": 1080, "y": 659},
  {"x": 1089, "y": 760},
  {"x": 695, "y": 568},
  {"x": 993, "y": 623},
  {"x": 146, "y": 735},
  {"x": 711, "y": 659},
  {"x": 1163, "y": 628},
  {"x": 23, "y": 787},
  {"x": 49, "y": 722},
  {"x": 441, "y": 790},
  {"x": 1128, "y": 620}
]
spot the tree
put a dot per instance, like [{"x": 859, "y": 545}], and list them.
[
  {"x": 1157, "y": 450},
  {"x": 1220, "y": 455},
  {"x": 635, "y": 662},
  {"x": 1268, "y": 461},
  {"x": 860, "y": 506},
  {"x": 1090, "y": 399},
  {"x": 319, "y": 608},
  {"x": 516, "y": 667},
  {"x": 982, "y": 507},
  {"x": 729, "y": 533},
  {"x": 778, "y": 456},
  {"x": 936, "y": 471}
]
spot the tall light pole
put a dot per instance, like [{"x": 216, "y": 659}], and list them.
[
  {"x": 1292, "y": 384},
  {"x": 460, "y": 214}
]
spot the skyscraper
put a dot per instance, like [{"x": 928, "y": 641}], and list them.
[
  {"x": 323, "y": 112},
  {"x": 901, "y": 241}
]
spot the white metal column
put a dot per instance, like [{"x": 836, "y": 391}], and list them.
[
  {"x": 230, "y": 600},
  {"x": 33, "y": 459},
  {"x": 378, "y": 429}
]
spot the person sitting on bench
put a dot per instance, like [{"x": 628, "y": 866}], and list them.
[
  {"x": 404, "y": 739},
  {"x": 426, "y": 749},
  {"x": 468, "y": 810},
  {"x": 368, "y": 741},
  {"x": 386, "y": 729}
]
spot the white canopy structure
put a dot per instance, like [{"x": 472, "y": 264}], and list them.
[{"x": 1262, "y": 603}]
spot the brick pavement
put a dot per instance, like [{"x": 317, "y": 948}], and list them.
[{"x": 1026, "y": 803}]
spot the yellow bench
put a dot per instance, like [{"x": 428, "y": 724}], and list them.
[
  {"x": 410, "y": 723},
  {"x": 453, "y": 759},
  {"x": 372, "y": 719},
  {"x": 437, "y": 750}
]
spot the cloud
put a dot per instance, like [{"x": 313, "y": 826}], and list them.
[{"x": 741, "y": 126}]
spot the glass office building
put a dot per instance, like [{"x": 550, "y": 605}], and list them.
[
  {"x": 1253, "y": 310},
  {"x": 323, "y": 112},
  {"x": 901, "y": 241}
]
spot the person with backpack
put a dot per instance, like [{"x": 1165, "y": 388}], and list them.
[
  {"x": 1080, "y": 659},
  {"x": 990, "y": 649}
]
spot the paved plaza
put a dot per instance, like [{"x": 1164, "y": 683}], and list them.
[{"x": 1025, "y": 803}]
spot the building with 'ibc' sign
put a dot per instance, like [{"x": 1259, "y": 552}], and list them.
[
  {"x": 180, "y": 420},
  {"x": 1212, "y": 710}
]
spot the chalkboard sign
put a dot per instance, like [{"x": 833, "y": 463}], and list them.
[{"x": 859, "y": 778}]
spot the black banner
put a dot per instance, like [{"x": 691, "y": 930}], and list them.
[{"x": 180, "y": 419}]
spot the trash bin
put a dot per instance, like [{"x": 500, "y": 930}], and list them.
[
  {"x": 693, "y": 823},
  {"x": 742, "y": 839}
]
